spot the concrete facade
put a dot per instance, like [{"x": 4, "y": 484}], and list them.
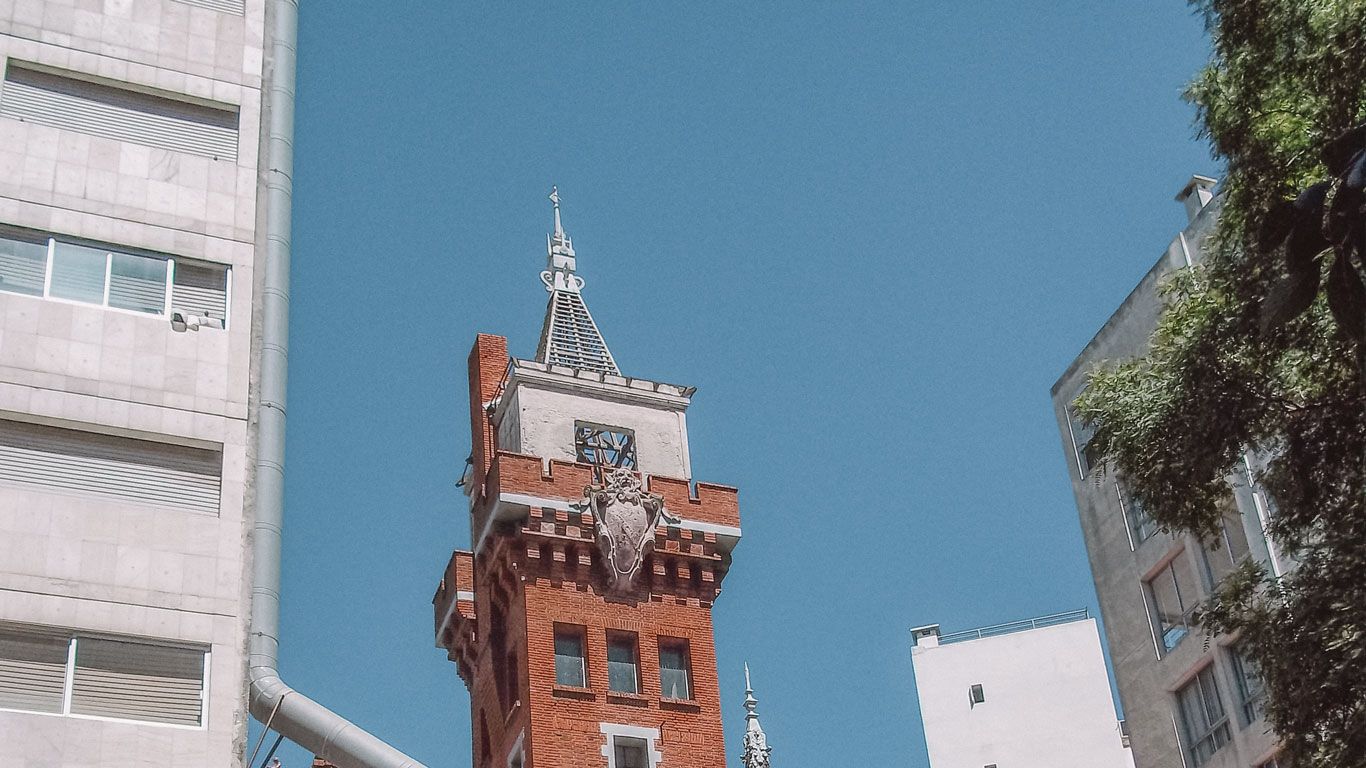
[
  {"x": 1148, "y": 581},
  {"x": 1027, "y": 694},
  {"x": 84, "y": 564}
]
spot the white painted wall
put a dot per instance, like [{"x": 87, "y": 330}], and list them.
[
  {"x": 1048, "y": 701},
  {"x": 539, "y": 420}
]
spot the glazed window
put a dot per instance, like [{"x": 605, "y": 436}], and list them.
[
  {"x": 623, "y": 665},
  {"x": 629, "y": 752},
  {"x": 674, "y": 669},
  {"x": 1202, "y": 714},
  {"x": 1172, "y": 592},
  {"x": 569, "y": 666},
  {"x": 38, "y": 264}
]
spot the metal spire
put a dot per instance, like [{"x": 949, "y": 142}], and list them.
[
  {"x": 756, "y": 743},
  {"x": 569, "y": 336}
]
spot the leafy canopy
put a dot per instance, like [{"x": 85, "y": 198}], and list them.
[{"x": 1218, "y": 380}]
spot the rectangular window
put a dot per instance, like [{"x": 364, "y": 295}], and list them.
[
  {"x": 79, "y": 102},
  {"x": 629, "y": 752},
  {"x": 32, "y": 670},
  {"x": 57, "y": 673},
  {"x": 119, "y": 469},
  {"x": 604, "y": 446},
  {"x": 1249, "y": 687},
  {"x": 1082, "y": 433},
  {"x": 1173, "y": 596},
  {"x": 569, "y": 666},
  {"x": 36, "y": 264},
  {"x": 674, "y": 664},
  {"x": 1141, "y": 526},
  {"x": 1227, "y": 550},
  {"x": 622, "y": 664},
  {"x": 1202, "y": 714}
]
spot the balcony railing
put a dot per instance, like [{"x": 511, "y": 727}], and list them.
[{"x": 1015, "y": 626}]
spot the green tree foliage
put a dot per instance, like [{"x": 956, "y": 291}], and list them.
[{"x": 1236, "y": 365}]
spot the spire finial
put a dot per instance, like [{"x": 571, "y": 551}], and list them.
[
  {"x": 555, "y": 201},
  {"x": 756, "y": 742}
]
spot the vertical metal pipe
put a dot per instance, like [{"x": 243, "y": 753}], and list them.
[{"x": 296, "y": 717}]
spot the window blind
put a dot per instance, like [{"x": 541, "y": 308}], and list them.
[
  {"x": 138, "y": 681},
  {"x": 105, "y": 466},
  {"x": 71, "y": 102},
  {"x": 32, "y": 670}
]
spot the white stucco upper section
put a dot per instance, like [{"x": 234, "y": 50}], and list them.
[
  {"x": 540, "y": 404},
  {"x": 1046, "y": 700}
]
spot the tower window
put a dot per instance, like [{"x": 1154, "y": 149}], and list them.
[
  {"x": 629, "y": 752},
  {"x": 622, "y": 663},
  {"x": 569, "y": 666},
  {"x": 674, "y": 682},
  {"x": 976, "y": 695},
  {"x": 604, "y": 446}
]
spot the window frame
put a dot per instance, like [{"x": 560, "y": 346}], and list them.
[
  {"x": 51, "y": 241},
  {"x": 1204, "y": 685},
  {"x": 69, "y": 682},
  {"x": 1139, "y": 525},
  {"x": 638, "y": 742},
  {"x": 1251, "y": 695},
  {"x": 621, "y": 639},
  {"x": 1186, "y": 604},
  {"x": 577, "y": 632},
  {"x": 585, "y": 430},
  {"x": 684, "y": 648}
]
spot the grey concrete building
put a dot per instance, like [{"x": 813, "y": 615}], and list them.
[
  {"x": 1187, "y": 703},
  {"x": 130, "y": 192}
]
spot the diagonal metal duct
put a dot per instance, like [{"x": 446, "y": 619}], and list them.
[{"x": 292, "y": 714}]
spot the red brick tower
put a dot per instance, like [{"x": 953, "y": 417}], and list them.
[{"x": 581, "y": 620}]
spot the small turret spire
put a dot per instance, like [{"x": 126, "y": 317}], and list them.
[
  {"x": 756, "y": 742},
  {"x": 569, "y": 336}
]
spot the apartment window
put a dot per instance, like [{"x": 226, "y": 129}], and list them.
[
  {"x": 604, "y": 446},
  {"x": 629, "y": 752},
  {"x": 125, "y": 679},
  {"x": 569, "y": 666},
  {"x": 1202, "y": 714},
  {"x": 1172, "y": 592},
  {"x": 36, "y": 264},
  {"x": 1087, "y": 455},
  {"x": 1141, "y": 525},
  {"x": 674, "y": 663},
  {"x": 1249, "y": 685},
  {"x": 1226, "y": 551},
  {"x": 622, "y": 663}
]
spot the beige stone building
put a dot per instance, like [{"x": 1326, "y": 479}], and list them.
[
  {"x": 1188, "y": 702},
  {"x": 130, "y": 191}
]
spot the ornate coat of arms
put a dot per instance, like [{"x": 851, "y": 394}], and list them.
[{"x": 625, "y": 517}]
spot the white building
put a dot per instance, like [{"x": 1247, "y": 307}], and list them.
[{"x": 1022, "y": 695}]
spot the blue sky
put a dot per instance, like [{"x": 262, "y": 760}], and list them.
[{"x": 872, "y": 236}]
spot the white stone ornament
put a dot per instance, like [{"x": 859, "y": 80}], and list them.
[
  {"x": 625, "y": 517},
  {"x": 756, "y": 745}
]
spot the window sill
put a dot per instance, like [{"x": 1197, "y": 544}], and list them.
[
  {"x": 631, "y": 699},
  {"x": 680, "y": 705},
  {"x": 573, "y": 692}
]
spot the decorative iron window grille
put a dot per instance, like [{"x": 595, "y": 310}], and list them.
[{"x": 604, "y": 446}]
